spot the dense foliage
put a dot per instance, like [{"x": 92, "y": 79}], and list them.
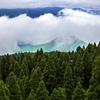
[{"x": 51, "y": 75}]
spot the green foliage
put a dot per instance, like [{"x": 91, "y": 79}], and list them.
[
  {"x": 68, "y": 81},
  {"x": 55, "y": 74},
  {"x": 32, "y": 95},
  {"x": 15, "y": 93},
  {"x": 25, "y": 84},
  {"x": 4, "y": 92},
  {"x": 50, "y": 75},
  {"x": 14, "y": 67},
  {"x": 94, "y": 88},
  {"x": 78, "y": 93},
  {"x": 4, "y": 66},
  {"x": 42, "y": 92},
  {"x": 58, "y": 94},
  {"x": 87, "y": 64},
  {"x": 35, "y": 78},
  {"x": 78, "y": 70}
]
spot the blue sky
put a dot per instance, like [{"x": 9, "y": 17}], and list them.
[{"x": 44, "y": 3}]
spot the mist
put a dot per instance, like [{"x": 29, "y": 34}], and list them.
[{"x": 47, "y": 27}]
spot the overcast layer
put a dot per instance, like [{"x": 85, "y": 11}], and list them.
[
  {"x": 43, "y": 29},
  {"x": 45, "y": 3}
]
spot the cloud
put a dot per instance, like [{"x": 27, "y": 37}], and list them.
[
  {"x": 45, "y": 3},
  {"x": 46, "y": 27}
]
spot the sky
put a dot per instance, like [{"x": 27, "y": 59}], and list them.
[
  {"x": 44, "y": 3},
  {"x": 47, "y": 27}
]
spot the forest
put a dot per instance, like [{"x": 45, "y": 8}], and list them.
[{"x": 73, "y": 75}]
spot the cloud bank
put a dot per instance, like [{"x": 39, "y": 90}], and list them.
[
  {"x": 46, "y": 27},
  {"x": 44, "y": 3}
]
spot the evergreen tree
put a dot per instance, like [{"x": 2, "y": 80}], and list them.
[
  {"x": 0, "y": 70},
  {"x": 32, "y": 95},
  {"x": 94, "y": 88},
  {"x": 50, "y": 75},
  {"x": 58, "y": 94},
  {"x": 78, "y": 70},
  {"x": 35, "y": 78},
  {"x": 68, "y": 82},
  {"x": 87, "y": 64},
  {"x": 5, "y": 63},
  {"x": 22, "y": 73},
  {"x": 4, "y": 92},
  {"x": 41, "y": 51},
  {"x": 30, "y": 62},
  {"x": 24, "y": 67},
  {"x": 41, "y": 92},
  {"x": 42, "y": 64},
  {"x": 98, "y": 49},
  {"x": 14, "y": 67},
  {"x": 66, "y": 57},
  {"x": 26, "y": 87},
  {"x": 12, "y": 84},
  {"x": 78, "y": 93}
]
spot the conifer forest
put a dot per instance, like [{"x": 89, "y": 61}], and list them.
[{"x": 73, "y": 75}]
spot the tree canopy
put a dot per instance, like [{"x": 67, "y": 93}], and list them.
[{"x": 73, "y": 75}]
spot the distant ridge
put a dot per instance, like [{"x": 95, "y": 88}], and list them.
[
  {"x": 63, "y": 44},
  {"x": 31, "y": 12},
  {"x": 36, "y": 12}
]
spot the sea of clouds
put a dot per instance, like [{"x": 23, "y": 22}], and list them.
[{"x": 47, "y": 27}]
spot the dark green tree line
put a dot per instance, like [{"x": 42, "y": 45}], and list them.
[{"x": 51, "y": 75}]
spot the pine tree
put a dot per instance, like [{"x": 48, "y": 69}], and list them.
[
  {"x": 98, "y": 49},
  {"x": 0, "y": 70},
  {"x": 35, "y": 78},
  {"x": 14, "y": 67},
  {"x": 26, "y": 87},
  {"x": 5, "y": 63},
  {"x": 41, "y": 92},
  {"x": 78, "y": 70},
  {"x": 24, "y": 67},
  {"x": 58, "y": 94},
  {"x": 4, "y": 92},
  {"x": 78, "y": 93},
  {"x": 32, "y": 95},
  {"x": 12, "y": 84},
  {"x": 68, "y": 82},
  {"x": 50, "y": 75},
  {"x": 22, "y": 74},
  {"x": 66, "y": 57},
  {"x": 87, "y": 64},
  {"x": 42, "y": 64},
  {"x": 41, "y": 51},
  {"x": 94, "y": 88}
]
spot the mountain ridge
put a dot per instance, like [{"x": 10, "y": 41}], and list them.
[
  {"x": 36, "y": 12},
  {"x": 63, "y": 44}
]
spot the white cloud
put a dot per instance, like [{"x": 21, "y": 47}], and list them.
[
  {"x": 42, "y": 3},
  {"x": 46, "y": 27}
]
